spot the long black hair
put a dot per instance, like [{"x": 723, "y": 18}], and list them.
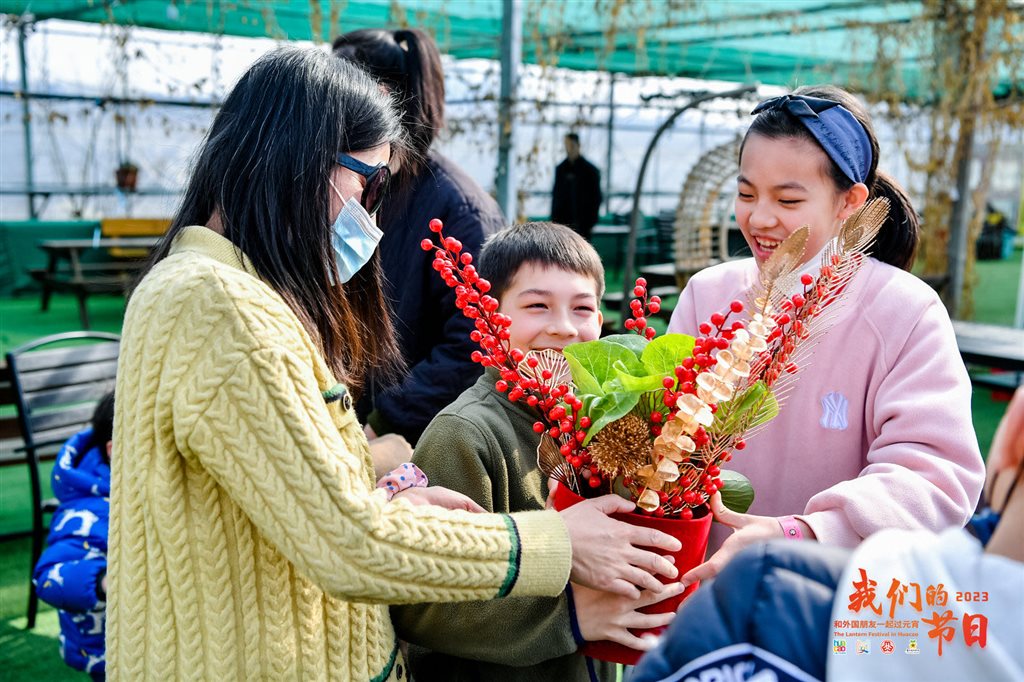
[
  {"x": 408, "y": 63},
  {"x": 897, "y": 241},
  {"x": 264, "y": 170}
]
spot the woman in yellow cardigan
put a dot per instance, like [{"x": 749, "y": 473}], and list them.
[{"x": 247, "y": 538}]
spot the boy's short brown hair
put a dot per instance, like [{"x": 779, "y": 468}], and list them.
[{"x": 542, "y": 243}]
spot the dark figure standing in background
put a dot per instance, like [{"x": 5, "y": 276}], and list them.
[
  {"x": 433, "y": 334},
  {"x": 576, "y": 197}
]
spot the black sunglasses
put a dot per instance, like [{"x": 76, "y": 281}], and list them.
[{"x": 377, "y": 179}]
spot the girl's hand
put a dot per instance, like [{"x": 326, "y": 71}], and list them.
[
  {"x": 439, "y": 497},
  {"x": 603, "y": 615},
  {"x": 748, "y": 529}
]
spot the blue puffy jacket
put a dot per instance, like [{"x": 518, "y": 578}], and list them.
[
  {"x": 769, "y": 610},
  {"x": 71, "y": 568}
]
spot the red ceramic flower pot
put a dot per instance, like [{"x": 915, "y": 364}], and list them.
[{"x": 694, "y": 536}]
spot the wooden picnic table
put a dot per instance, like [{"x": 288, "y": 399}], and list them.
[
  {"x": 66, "y": 270},
  {"x": 989, "y": 345}
]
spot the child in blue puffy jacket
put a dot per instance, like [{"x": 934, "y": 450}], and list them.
[{"x": 71, "y": 573}]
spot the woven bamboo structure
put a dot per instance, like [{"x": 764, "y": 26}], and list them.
[{"x": 701, "y": 224}]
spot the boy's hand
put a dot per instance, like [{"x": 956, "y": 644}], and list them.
[
  {"x": 606, "y": 553},
  {"x": 603, "y": 615},
  {"x": 439, "y": 497},
  {"x": 388, "y": 453}
]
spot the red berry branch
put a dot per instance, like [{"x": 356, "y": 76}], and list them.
[{"x": 524, "y": 376}]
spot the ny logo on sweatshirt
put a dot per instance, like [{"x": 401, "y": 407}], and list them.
[{"x": 833, "y": 411}]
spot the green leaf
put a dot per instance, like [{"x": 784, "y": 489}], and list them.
[
  {"x": 664, "y": 353},
  {"x": 608, "y": 408},
  {"x": 737, "y": 492},
  {"x": 583, "y": 380},
  {"x": 634, "y": 342},
  {"x": 633, "y": 384},
  {"x": 754, "y": 406},
  {"x": 599, "y": 357}
]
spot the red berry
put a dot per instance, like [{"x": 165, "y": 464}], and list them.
[
  {"x": 483, "y": 285},
  {"x": 704, "y": 328},
  {"x": 806, "y": 280},
  {"x": 585, "y": 422},
  {"x": 654, "y": 307},
  {"x": 736, "y": 306},
  {"x": 718, "y": 319},
  {"x": 640, "y": 323},
  {"x": 554, "y": 432},
  {"x": 798, "y": 300},
  {"x": 532, "y": 401},
  {"x": 639, "y": 291},
  {"x": 686, "y": 514},
  {"x": 517, "y": 355},
  {"x": 436, "y": 225},
  {"x": 650, "y": 333},
  {"x": 656, "y": 299},
  {"x": 635, "y": 304},
  {"x": 501, "y": 385},
  {"x": 641, "y": 282},
  {"x": 668, "y": 382},
  {"x": 566, "y": 450},
  {"x": 538, "y": 427},
  {"x": 594, "y": 481},
  {"x": 629, "y": 324},
  {"x": 515, "y": 394},
  {"x": 656, "y": 417},
  {"x": 476, "y": 356},
  {"x": 426, "y": 245}
]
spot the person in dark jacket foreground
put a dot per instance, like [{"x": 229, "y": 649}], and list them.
[
  {"x": 803, "y": 611},
  {"x": 71, "y": 572},
  {"x": 432, "y": 332}
]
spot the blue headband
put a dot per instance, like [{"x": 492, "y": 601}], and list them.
[{"x": 838, "y": 131}]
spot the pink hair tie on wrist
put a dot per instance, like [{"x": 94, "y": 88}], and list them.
[
  {"x": 407, "y": 475},
  {"x": 790, "y": 528}
]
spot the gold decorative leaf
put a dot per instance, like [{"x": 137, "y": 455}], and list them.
[
  {"x": 861, "y": 228},
  {"x": 786, "y": 257},
  {"x": 552, "y": 464}
]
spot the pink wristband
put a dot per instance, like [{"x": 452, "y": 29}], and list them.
[
  {"x": 408, "y": 475},
  {"x": 790, "y": 528}
]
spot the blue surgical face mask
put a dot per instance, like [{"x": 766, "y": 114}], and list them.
[{"x": 354, "y": 237}]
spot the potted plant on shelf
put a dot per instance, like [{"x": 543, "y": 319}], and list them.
[
  {"x": 655, "y": 419},
  {"x": 126, "y": 175}
]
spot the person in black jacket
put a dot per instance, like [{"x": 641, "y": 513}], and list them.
[
  {"x": 433, "y": 334},
  {"x": 576, "y": 197}
]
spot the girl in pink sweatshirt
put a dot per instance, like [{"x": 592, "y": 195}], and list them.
[{"x": 877, "y": 431}]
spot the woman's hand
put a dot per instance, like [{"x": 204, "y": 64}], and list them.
[
  {"x": 606, "y": 553},
  {"x": 439, "y": 497},
  {"x": 388, "y": 452},
  {"x": 748, "y": 529},
  {"x": 603, "y": 615}
]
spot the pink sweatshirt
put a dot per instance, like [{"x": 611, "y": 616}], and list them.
[{"x": 876, "y": 432}]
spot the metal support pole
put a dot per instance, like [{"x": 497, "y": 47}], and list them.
[
  {"x": 635, "y": 216},
  {"x": 26, "y": 124},
  {"x": 511, "y": 58},
  {"x": 960, "y": 219},
  {"x": 608, "y": 155}
]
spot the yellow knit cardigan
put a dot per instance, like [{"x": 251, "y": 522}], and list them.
[{"x": 247, "y": 540}]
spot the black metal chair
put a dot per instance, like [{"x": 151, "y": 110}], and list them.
[{"x": 56, "y": 390}]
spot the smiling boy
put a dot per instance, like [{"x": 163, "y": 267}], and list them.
[{"x": 549, "y": 281}]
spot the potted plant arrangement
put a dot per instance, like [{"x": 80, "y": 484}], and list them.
[
  {"x": 656, "y": 418},
  {"x": 126, "y": 175}
]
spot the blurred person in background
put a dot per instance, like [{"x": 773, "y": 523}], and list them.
[
  {"x": 432, "y": 333},
  {"x": 576, "y": 196}
]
